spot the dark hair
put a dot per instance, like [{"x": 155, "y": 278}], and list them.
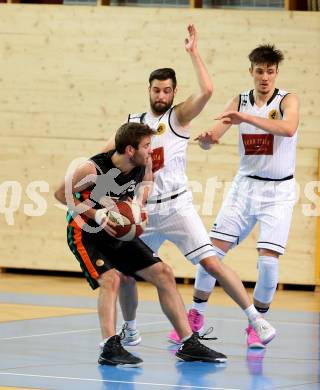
[
  {"x": 164, "y": 74},
  {"x": 131, "y": 134},
  {"x": 266, "y": 54}
]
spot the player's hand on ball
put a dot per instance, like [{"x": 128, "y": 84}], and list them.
[
  {"x": 129, "y": 218},
  {"x": 109, "y": 227},
  {"x": 102, "y": 219}
]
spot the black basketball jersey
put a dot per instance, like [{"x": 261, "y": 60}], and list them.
[{"x": 110, "y": 182}]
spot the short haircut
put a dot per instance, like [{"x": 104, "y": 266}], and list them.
[
  {"x": 164, "y": 74},
  {"x": 131, "y": 134},
  {"x": 266, "y": 54}
]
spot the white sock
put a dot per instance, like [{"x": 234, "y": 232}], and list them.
[
  {"x": 200, "y": 307},
  {"x": 131, "y": 324},
  {"x": 102, "y": 343},
  {"x": 252, "y": 313},
  {"x": 186, "y": 338}
]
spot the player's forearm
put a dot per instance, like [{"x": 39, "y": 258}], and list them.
[
  {"x": 203, "y": 77},
  {"x": 283, "y": 128},
  {"x": 144, "y": 192},
  {"x": 76, "y": 206},
  {"x": 145, "y": 187},
  {"x": 192, "y": 107},
  {"x": 218, "y": 130}
]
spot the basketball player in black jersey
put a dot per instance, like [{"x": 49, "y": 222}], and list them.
[{"x": 87, "y": 193}]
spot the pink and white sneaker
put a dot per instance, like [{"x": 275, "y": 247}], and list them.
[
  {"x": 253, "y": 340},
  {"x": 263, "y": 330},
  {"x": 196, "y": 321}
]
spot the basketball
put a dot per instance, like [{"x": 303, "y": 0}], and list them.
[{"x": 130, "y": 219}]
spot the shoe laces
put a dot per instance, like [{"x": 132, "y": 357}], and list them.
[
  {"x": 194, "y": 340},
  {"x": 122, "y": 333},
  {"x": 260, "y": 324},
  {"x": 116, "y": 347},
  {"x": 206, "y": 333}
]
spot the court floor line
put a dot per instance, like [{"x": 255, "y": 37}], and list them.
[
  {"x": 272, "y": 320},
  {"x": 73, "y": 331},
  {"x": 141, "y": 325},
  {"x": 113, "y": 381}
]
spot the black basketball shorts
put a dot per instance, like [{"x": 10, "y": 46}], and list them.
[{"x": 99, "y": 252}]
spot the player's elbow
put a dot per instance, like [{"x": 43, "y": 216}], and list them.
[
  {"x": 207, "y": 93},
  {"x": 60, "y": 196},
  {"x": 291, "y": 131},
  {"x": 290, "y": 128}
]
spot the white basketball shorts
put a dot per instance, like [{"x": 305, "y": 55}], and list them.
[
  {"x": 176, "y": 220},
  {"x": 270, "y": 203}
]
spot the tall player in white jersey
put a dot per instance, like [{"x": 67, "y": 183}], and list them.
[
  {"x": 263, "y": 190},
  {"x": 172, "y": 215}
]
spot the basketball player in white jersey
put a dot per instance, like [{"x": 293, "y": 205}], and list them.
[
  {"x": 172, "y": 215},
  {"x": 263, "y": 191}
]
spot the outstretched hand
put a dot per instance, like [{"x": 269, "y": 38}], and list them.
[
  {"x": 207, "y": 137},
  {"x": 231, "y": 117},
  {"x": 191, "y": 40}
]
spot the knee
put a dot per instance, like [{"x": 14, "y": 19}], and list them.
[
  {"x": 204, "y": 282},
  {"x": 126, "y": 280},
  {"x": 110, "y": 280},
  {"x": 221, "y": 246},
  {"x": 213, "y": 266},
  {"x": 165, "y": 274}
]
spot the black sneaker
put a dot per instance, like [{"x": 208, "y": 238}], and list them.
[
  {"x": 192, "y": 350},
  {"x": 114, "y": 354}
]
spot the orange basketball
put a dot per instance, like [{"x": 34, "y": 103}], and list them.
[{"x": 130, "y": 219}]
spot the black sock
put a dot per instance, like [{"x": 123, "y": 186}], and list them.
[
  {"x": 198, "y": 300},
  {"x": 261, "y": 310}
]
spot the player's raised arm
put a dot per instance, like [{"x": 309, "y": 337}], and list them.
[
  {"x": 213, "y": 135},
  {"x": 192, "y": 107}
]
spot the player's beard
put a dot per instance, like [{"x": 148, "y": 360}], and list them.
[
  {"x": 137, "y": 160},
  {"x": 160, "y": 109}
]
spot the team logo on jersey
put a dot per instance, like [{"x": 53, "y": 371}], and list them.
[
  {"x": 157, "y": 158},
  {"x": 161, "y": 129},
  {"x": 273, "y": 114},
  {"x": 258, "y": 144}
]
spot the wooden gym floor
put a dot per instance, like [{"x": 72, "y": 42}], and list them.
[{"x": 49, "y": 334}]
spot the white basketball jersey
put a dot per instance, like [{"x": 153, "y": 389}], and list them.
[
  {"x": 169, "y": 146},
  {"x": 261, "y": 153}
]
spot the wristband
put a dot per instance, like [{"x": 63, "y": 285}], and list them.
[{"x": 100, "y": 216}]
